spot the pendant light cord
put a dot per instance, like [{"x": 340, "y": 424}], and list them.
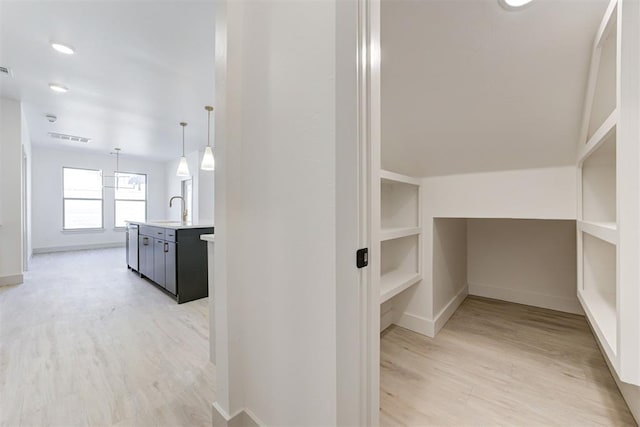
[{"x": 208, "y": 128}]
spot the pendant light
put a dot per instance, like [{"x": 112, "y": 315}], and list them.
[
  {"x": 208, "y": 162},
  {"x": 183, "y": 167}
]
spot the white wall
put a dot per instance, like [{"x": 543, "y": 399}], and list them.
[
  {"x": 526, "y": 193},
  {"x": 277, "y": 189},
  {"x": 203, "y": 190},
  {"x": 10, "y": 192},
  {"x": 530, "y": 262},
  {"x": 47, "y": 197},
  {"x": 449, "y": 260}
]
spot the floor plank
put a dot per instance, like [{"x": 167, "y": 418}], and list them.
[{"x": 496, "y": 363}]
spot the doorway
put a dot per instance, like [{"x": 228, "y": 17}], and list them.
[{"x": 187, "y": 194}]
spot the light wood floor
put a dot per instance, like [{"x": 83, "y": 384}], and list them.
[
  {"x": 499, "y": 364},
  {"x": 84, "y": 341}
]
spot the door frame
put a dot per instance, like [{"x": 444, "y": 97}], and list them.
[
  {"x": 25, "y": 212},
  {"x": 369, "y": 136}
]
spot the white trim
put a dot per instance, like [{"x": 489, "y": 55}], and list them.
[
  {"x": 394, "y": 282},
  {"x": 608, "y": 23},
  {"x": 386, "y": 318},
  {"x": 417, "y": 324},
  {"x": 607, "y": 231},
  {"x": 448, "y": 310},
  {"x": 242, "y": 418},
  {"x": 397, "y": 233},
  {"x": 601, "y": 335},
  {"x": 630, "y": 392},
  {"x": 78, "y": 247},
  {"x": 16, "y": 279},
  {"x": 396, "y": 177},
  {"x": 567, "y": 305},
  {"x": 599, "y": 137}
]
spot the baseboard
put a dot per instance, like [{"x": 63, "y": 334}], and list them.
[
  {"x": 242, "y": 418},
  {"x": 567, "y": 305},
  {"x": 16, "y": 279},
  {"x": 418, "y": 324},
  {"x": 78, "y": 247},
  {"x": 448, "y": 310}
]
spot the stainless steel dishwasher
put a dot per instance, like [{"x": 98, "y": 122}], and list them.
[{"x": 132, "y": 246}]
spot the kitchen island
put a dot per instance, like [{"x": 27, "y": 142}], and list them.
[{"x": 171, "y": 255}]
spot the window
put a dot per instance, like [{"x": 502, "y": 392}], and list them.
[
  {"x": 130, "y": 198},
  {"x": 82, "y": 198}
]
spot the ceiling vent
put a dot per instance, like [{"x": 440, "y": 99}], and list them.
[
  {"x": 70, "y": 138},
  {"x": 6, "y": 71}
]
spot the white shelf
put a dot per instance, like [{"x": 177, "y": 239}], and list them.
[
  {"x": 396, "y": 177},
  {"x": 607, "y": 231},
  {"x": 602, "y": 317},
  {"x": 396, "y": 281},
  {"x": 397, "y": 233},
  {"x": 608, "y": 24},
  {"x": 600, "y": 136}
]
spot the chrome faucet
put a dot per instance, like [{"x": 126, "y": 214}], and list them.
[{"x": 184, "y": 208}]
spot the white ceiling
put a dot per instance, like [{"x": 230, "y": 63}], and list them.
[
  {"x": 140, "y": 68},
  {"x": 469, "y": 87}
]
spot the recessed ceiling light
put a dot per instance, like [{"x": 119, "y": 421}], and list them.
[
  {"x": 514, "y": 4},
  {"x": 63, "y": 48},
  {"x": 58, "y": 88}
]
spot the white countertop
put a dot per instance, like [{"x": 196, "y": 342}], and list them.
[
  {"x": 174, "y": 225},
  {"x": 208, "y": 237}
]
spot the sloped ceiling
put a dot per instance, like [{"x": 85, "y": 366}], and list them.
[
  {"x": 470, "y": 87},
  {"x": 140, "y": 68}
]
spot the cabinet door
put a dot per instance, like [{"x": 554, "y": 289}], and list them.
[
  {"x": 158, "y": 262},
  {"x": 170, "y": 267},
  {"x": 145, "y": 248}
]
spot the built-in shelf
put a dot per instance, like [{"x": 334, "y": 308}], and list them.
[
  {"x": 397, "y": 233},
  {"x": 598, "y": 290},
  {"x": 602, "y": 317},
  {"x": 608, "y": 24},
  {"x": 604, "y": 133},
  {"x": 599, "y": 182},
  {"x": 399, "y": 178},
  {"x": 607, "y": 231},
  {"x": 396, "y": 281},
  {"x": 603, "y": 102}
]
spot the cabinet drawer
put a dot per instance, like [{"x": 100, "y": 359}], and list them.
[
  {"x": 170, "y": 234},
  {"x": 155, "y": 232}
]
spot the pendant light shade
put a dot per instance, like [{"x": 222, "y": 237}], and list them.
[
  {"x": 183, "y": 167},
  {"x": 208, "y": 161}
]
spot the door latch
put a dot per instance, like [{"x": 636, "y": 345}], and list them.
[{"x": 362, "y": 257}]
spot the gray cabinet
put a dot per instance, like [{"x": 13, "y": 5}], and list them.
[
  {"x": 175, "y": 260},
  {"x": 145, "y": 255},
  {"x": 158, "y": 262},
  {"x": 170, "y": 267}
]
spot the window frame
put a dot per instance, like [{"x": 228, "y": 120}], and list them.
[
  {"x": 64, "y": 228},
  {"x": 146, "y": 198}
]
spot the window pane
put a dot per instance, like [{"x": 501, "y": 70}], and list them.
[
  {"x": 82, "y": 184},
  {"x": 82, "y": 214},
  {"x": 131, "y": 186},
  {"x": 129, "y": 211}
]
